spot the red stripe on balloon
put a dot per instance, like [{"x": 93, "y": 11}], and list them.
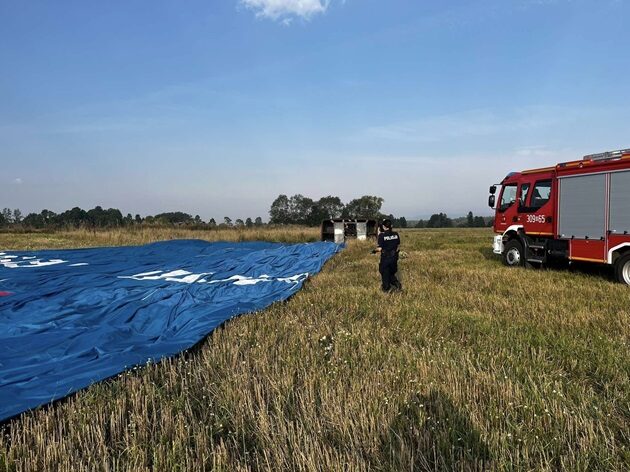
[{"x": 5, "y": 294}]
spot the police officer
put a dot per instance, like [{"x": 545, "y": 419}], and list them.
[{"x": 388, "y": 243}]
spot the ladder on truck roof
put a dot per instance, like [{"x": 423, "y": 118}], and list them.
[{"x": 606, "y": 155}]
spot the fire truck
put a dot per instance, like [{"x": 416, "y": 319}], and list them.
[{"x": 576, "y": 211}]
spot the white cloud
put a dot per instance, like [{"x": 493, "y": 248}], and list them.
[
  {"x": 18, "y": 181},
  {"x": 286, "y": 10}
]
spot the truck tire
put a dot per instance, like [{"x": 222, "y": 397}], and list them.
[
  {"x": 513, "y": 254},
  {"x": 622, "y": 269}
]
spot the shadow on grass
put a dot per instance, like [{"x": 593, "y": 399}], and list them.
[
  {"x": 488, "y": 254},
  {"x": 431, "y": 433},
  {"x": 603, "y": 271}
]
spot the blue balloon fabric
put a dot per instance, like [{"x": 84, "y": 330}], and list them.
[{"x": 69, "y": 318}]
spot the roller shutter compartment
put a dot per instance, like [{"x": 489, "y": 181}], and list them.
[
  {"x": 582, "y": 212},
  {"x": 620, "y": 202}
]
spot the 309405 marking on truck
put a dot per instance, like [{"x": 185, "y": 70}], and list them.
[{"x": 536, "y": 218}]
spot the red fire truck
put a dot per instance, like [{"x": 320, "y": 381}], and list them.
[{"x": 577, "y": 211}]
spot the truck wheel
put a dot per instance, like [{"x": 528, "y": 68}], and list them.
[
  {"x": 513, "y": 254},
  {"x": 622, "y": 269}
]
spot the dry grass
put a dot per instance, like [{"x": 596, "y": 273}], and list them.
[
  {"x": 144, "y": 235},
  {"x": 475, "y": 366}
]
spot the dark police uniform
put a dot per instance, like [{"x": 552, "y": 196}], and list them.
[{"x": 389, "y": 241}]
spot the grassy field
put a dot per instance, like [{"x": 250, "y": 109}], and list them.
[
  {"x": 144, "y": 235},
  {"x": 473, "y": 367}
]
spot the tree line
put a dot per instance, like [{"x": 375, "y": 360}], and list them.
[
  {"x": 98, "y": 217},
  {"x": 301, "y": 210},
  {"x": 441, "y": 220},
  {"x": 296, "y": 210}
]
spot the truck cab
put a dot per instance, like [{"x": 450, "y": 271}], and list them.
[{"x": 525, "y": 202}]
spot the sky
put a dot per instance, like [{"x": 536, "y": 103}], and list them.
[{"x": 215, "y": 107}]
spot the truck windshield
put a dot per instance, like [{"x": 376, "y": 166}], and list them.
[{"x": 508, "y": 197}]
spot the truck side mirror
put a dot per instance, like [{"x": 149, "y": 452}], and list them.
[
  {"x": 493, "y": 189},
  {"x": 491, "y": 201}
]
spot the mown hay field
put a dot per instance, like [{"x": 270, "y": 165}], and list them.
[{"x": 473, "y": 367}]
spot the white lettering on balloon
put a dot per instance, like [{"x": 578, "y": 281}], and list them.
[{"x": 186, "y": 277}]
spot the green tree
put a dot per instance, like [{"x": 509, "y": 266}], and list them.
[
  {"x": 258, "y": 221},
  {"x": 439, "y": 220},
  {"x": 17, "y": 216},
  {"x": 176, "y": 217},
  {"x": 329, "y": 207},
  {"x": 75, "y": 217},
  {"x": 7, "y": 214},
  {"x": 33, "y": 220},
  {"x": 227, "y": 221},
  {"x": 280, "y": 212},
  {"x": 212, "y": 223},
  {"x": 470, "y": 221},
  {"x": 365, "y": 207},
  {"x": 479, "y": 222},
  {"x": 114, "y": 217},
  {"x": 48, "y": 217},
  {"x": 317, "y": 215},
  {"x": 96, "y": 217},
  {"x": 249, "y": 223},
  {"x": 398, "y": 222},
  {"x": 301, "y": 208},
  {"x": 295, "y": 210},
  {"x": 239, "y": 223}
]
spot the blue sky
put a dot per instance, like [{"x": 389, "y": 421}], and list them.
[{"x": 216, "y": 107}]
